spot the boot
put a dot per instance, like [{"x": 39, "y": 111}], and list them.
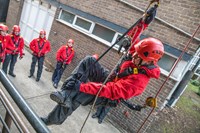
[
  {"x": 100, "y": 121},
  {"x": 60, "y": 98},
  {"x": 55, "y": 85},
  {"x": 37, "y": 80},
  {"x": 30, "y": 75},
  {"x": 45, "y": 120},
  {"x": 94, "y": 115},
  {"x": 12, "y": 74}
]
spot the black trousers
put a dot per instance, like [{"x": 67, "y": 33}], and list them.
[
  {"x": 9, "y": 59},
  {"x": 40, "y": 61},
  {"x": 86, "y": 70},
  {"x": 102, "y": 111},
  {"x": 60, "y": 68}
]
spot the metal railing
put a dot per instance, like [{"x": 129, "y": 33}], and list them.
[{"x": 11, "y": 114}]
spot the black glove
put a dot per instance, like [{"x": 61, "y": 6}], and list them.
[
  {"x": 113, "y": 103},
  {"x": 128, "y": 57},
  {"x": 138, "y": 107},
  {"x": 125, "y": 42},
  {"x": 132, "y": 106},
  {"x": 20, "y": 57},
  {"x": 151, "y": 13},
  {"x": 71, "y": 83}
]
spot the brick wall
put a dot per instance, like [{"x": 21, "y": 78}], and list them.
[
  {"x": 183, "y": 14},
  {"x": 14, "y": 13}
]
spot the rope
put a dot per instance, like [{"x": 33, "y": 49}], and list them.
[{"x": 180, "y": 57}]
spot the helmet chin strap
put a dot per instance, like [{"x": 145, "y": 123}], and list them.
[{"x": 140, "y": 63}]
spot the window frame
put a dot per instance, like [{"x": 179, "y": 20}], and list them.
[
  {"x": 65, "y": 22},
  {"x": 195, "y": 72},
  {"x": 106, "y": 28},
  {"x": 77, "y": 26},
  {"x": 166, "y": 73}
]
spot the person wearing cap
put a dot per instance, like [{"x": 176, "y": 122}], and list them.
[
  {"x": 85, "y": 81},
  {"x": 39, "y": 47},
  {"x": 12, "y": 53},
  {"x": 64, "y": 57}
]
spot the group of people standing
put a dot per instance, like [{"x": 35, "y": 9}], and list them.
[{"x": 12, "y": 47}]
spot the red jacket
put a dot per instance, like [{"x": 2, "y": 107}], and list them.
[
  {"x": 18, "y": 42},
  {"x": 40, "y": 47},
  {"x": 135, "y": 33},
  {"x": 2, "y": 47},
  {"x": 65, "y": 54},
  {"x": 10, "y": 47},
  {"x": 126, "y": 87}
]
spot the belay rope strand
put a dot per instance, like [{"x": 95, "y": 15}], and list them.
[
  {"x": 180, "y": 57},
  {"x": 92, "y": 107}
]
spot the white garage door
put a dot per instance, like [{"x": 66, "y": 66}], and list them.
[{"x": 35, "y": 16}]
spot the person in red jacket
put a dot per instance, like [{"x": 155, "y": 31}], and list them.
[
  {"x": 3, "y": 31},
  {"x": 11, "y": 56},
  {"x": 131, "y": 81},
  {"x": 39, "y": 47},
  {"x": 64, "y": 57},
  {"x": 9, "y": 48}
]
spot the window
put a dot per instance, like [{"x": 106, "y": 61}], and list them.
[
  {"x": 94, "y": 30},
  {"x": 103, "y": 33},
  {"x": 167, "y": 62},
  {"x": 83, "y": 24},
  {"x": 66, "y": 16}
]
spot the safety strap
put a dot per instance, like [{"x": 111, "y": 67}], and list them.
[
  {"x": 129, "y": 71},
  {"x": 16, "y": 42},
  {"x": 40, "y": 48},
  {"x": 67, "y": 54},
  {"x": 1, "y": 47}
]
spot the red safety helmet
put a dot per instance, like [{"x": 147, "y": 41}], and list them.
[
  {"x": 16, "y": 28},
  {"x": 70, "y": 40},
  {"x": 3, "y": 27},
  {"x": 96, "y": 56},
  {"x": 150, "y": 49},
  {"x": 43, "y": 32}
]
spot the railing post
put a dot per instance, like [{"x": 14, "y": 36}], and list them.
[{"x": 8, "y": 122}]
